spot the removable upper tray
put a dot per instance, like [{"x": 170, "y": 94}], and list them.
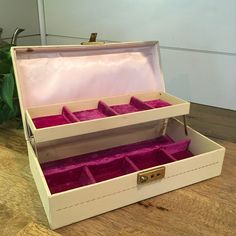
[{"x": 87, "y": 116}]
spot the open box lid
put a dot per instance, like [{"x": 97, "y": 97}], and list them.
[{"x": 59, "y": 74}]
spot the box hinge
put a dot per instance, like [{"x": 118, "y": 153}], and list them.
[
  {"x": 151, "y": 175},
  {"x": 30, "y": 137},
  {"x": 185, "y": 125},
  {"x": 165, "y": 124}
]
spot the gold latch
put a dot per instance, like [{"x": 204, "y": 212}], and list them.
[
  {"x": 150, "y": 175},
  {"x": 92, "y": 40}
]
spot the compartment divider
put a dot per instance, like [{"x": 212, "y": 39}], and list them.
[
  {"x": 106, "y": 110},
  {"x": 110, "y": 169},
  {"x": 151, "y": 158},
  {"x": 68, "y": 115},
  {"x": 89, "y": 174},
  {"x": 139, "y": 104},
  {"x": 168, "y": 155},
  {"x": 134, "y": 167},
  {"x": 176, "y": 147}
]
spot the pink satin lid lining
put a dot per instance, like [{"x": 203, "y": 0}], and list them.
[{"x": 58, "y": 76}]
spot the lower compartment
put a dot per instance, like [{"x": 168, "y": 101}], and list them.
[
  {"x": 77, "y": 171},
  {"x": 91, "y": 195}
]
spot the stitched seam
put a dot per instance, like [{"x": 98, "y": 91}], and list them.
[
  {"x": 214, "y": 163},
  {"x": 94, "y": 199},
  {"x": 110, "y": 194}
]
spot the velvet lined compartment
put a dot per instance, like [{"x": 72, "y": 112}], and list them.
[
  {"x": 65, "y": 117},
  {"x": 70, "y": 179},
  {"x": 95, "y": 167},
  {"x": 102, "y": 111}
]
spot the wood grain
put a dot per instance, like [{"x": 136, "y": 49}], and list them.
[
  {"x": 33, "y": 229},
  {"x": 213, "y": 122},
  {"x": 206, "y": 208}
]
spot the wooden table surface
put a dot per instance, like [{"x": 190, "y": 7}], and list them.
[{"x": 205, "y": 208}]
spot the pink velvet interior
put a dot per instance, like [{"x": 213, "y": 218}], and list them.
[
  {"x": 102, "y": 110},
  {"x": 65, "y": 117},
  {"x": 157, "y": 103},
  {"x": 77, "y": 171}
]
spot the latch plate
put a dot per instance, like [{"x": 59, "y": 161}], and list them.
[{"x": 151, "y": 175}]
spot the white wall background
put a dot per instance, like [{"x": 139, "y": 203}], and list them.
[
  {"x": 23, "y": 14},
  {"x": 197, "y": 38}
]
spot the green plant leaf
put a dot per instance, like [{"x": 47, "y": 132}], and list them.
[
  {"x": 4, "y": 112},
  {"x": 2, "y": 55},
  {"x": 9, "y": 104},
  {"x": 5, "y": 67},
  {"x": 5, "y": 47},
  {"x": 8, "y": 90},
  {"x": 7, "y": 114},
  {"x": 5, "y": 51}
]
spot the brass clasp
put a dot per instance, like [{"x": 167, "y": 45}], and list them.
[
  {"x": 150, "y": 175},
  {"x": 92, "y": 40}
]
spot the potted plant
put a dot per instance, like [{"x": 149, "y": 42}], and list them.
[{"x": 9, "y": 104}]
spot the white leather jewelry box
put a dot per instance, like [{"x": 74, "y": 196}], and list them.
[{"x": 99, "y": 128}]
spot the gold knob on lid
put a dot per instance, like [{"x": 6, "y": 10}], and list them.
[{"x": 92, "y": 40}]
